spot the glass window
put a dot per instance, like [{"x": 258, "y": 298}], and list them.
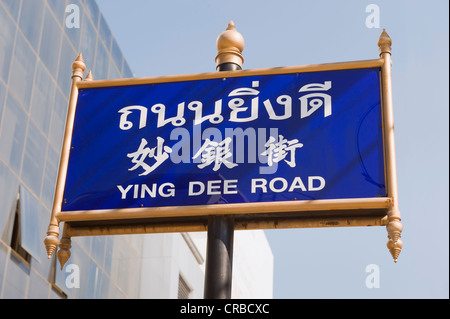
[
  {"x": 16, "y": 279},
  {"x": 31, "y": 21},
  {"x": 88, "y": 42},
  {"x": 73, "y": 33},
  {"x": 9, "y": 186},
  {"x": 7, "y": 33},
  {"x": 50, "y": 43},
  {"x": 58, "y": 120},
  {"x": 92, "y": 10},
  {"x": 68, "y": 56},
  {"x": 38, "y": 288},
  {"x": 98, "y": 249},
  {"x": 126, "y": 72},
  {"x": 42, "y": 99},
  {"x": 59, "y": 8},
  {"x": 105, "y": 32},
  {"x": 101, "y": 63},
  {"x": 12, "y": 134},
  {"x": 113, "y": 72},
  {"x": 29, "y": 224},
  {"x": 40, "y": 263},
  {"x": 13, "y": 6},
  {"x": 21, "y": 79},
  {"x": 3, "y": 258},
  {"x": 33, "y": 161},
  {"x": 2, "y": 99},
  {"x": 50, "y": 174},
  {"x": 116, "y": 55},
  {"x": 82, "y": 260}
]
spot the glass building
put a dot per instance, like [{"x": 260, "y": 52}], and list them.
[{"x": 39, "y": 40}]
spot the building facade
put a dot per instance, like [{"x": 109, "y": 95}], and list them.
[{"x": 39, "y": 40}]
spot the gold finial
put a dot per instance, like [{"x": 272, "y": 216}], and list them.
[
  {"x": 89, "y": 77},
  {"x": 78, "y": 67},
  {"x": 384, "y": 43},
  {"x": 395, "y": 248},
  {"x": 230, "y": 45},
  {"x": 51, "y": 241},
  {"x": 63, "y": 253},
  {"x": 394, "y": 229}
]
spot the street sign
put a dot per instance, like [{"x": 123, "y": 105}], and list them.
[
  {"x": 297, "y": 136},
  {"x": 289, "y": 147}
]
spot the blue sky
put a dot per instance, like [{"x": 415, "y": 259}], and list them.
[{"x": 179, "y": 37}]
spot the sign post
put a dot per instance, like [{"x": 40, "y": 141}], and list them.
[
  {"x": 219, "y": 250},
  {"x": 288, "y": 147}
]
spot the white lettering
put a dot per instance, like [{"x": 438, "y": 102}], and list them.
[
  {"x": 125, "y": 124},
  {"x": 238, "y": 112},
  {"x": 311, "y": 180},
  {"x": 214, "y": 187},
  {"x": 262, "y": 184},
  {"x": 197, "y": 309},
  {"x": 144, "y": 190},
  {"x": 280, "y": 184},
  {"x": 196, "y": 193},
  {"x": 124, "y": 191},
  {"x": 169, "y": 192},
  {"x": 228, "y": 185},
  {"x": 297, "y": 183},
  {"x": 278, "y": 190}
]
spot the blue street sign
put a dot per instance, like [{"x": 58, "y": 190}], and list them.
[{"x": 259, "y": 138}]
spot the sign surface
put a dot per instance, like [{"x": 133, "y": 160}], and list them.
[{"x": 259, "y": 138}]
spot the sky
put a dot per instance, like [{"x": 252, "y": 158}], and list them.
[{"x": 174, "y": 37}]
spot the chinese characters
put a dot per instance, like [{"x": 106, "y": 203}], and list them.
[
  {"x": 159, "y": 154},
  {"x": 277, "y": 152},
  {"x": 212, "y": 153}
]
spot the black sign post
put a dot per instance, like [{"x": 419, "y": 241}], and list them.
[{"x": 219, "y": 250}]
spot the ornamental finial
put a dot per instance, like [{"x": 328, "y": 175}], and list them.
[
  {"x": 384, "y": 43},
  {"x": 230, "y": 45},
  {"x": 89, "y": 77},
  {"x": 78, "y": 67},
  {"x": 51, "y": 241}
]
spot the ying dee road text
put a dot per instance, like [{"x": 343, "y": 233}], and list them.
[{"x": 224, "y": 187}]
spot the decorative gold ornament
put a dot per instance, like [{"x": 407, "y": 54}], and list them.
[
  {"x": 51, "y": 241},
  {"x": 395, "y": 248},
  {"x": 230, "y": 45},
  {"x": 384, "y": 43},
  {"x": 394, "y": 229},
  {"x": 78, "y": 67},
  {"x": 89, "y": 77},
  {"x": 63, "y": 253}
]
